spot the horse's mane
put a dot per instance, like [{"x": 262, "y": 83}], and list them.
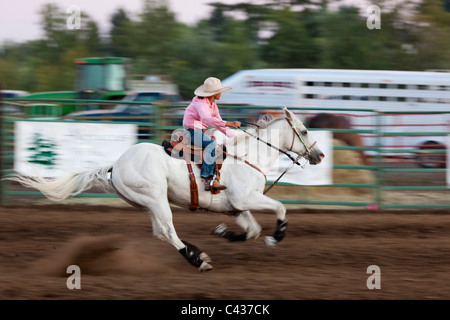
[
  {"x": 263, "y": 122},
  {"x": 266, "y": 121}
]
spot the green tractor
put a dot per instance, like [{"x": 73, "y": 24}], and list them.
[{"x": 97, "y": 79}]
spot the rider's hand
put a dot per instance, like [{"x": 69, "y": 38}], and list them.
[{"x": 233, "y": 124}]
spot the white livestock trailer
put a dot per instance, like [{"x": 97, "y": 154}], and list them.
[{"x": 407, "y": 93}]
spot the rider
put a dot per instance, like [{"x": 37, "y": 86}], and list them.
[{"x": 201, "y": 114}]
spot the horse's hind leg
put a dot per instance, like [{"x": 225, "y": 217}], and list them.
[
  {"x": 247, "y": 222},
  {"x": 163, "y": 228}
]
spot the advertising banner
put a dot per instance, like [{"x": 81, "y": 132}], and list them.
[{"x": 59, "y": 148}]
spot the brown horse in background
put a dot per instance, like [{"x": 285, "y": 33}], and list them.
[{"x": 331, "y": 121}]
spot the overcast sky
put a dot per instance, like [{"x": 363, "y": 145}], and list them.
[{"x": 19, "y": 19}]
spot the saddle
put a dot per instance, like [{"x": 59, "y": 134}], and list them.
[{"x": 181, "y": 148}]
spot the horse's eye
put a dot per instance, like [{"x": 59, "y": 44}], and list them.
[{"x": 304, "y": 132}]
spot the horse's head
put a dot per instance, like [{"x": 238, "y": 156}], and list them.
[{"x": 302, "y": 142}]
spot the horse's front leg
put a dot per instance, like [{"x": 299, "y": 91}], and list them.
[
  {"x": 258, "y": 201},
  {"x": 247, "y": 222},
  {"x": 278, "y": 235}
]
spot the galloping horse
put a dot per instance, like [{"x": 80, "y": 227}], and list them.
[{"x": 147, "y": 177}]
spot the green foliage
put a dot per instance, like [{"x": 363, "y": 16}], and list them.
[
  {"x": 122, "y": 33},
  {"x": 291, "y": 46},
  {"x": 275, "y": 34},
  {"x": 434, "y": 47}
]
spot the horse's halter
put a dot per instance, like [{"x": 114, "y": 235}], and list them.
[
  {"x": 294, "y": 161},
  {"x": 296, "y": 133}
]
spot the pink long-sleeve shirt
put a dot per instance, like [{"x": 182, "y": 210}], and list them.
[{"x": 201, "y": 114}]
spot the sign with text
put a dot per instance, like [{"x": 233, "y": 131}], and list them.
[{"x": 59, "y": 148}]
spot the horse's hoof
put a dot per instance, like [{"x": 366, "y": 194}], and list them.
[
  {"x": 220, "y": 230},
  {"x": 270, "y": 242},
  {"x": 205, "y": 266},
  {"x": 205, "y": 257}
]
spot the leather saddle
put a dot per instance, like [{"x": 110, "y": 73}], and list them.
[{"x": 181, "y": 148}]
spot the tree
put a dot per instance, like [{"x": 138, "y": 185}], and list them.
[
  {"x": 52, "y": 67},
  {"x": 91, "y": 38},
  {"x": 346, "y": 42},
  {"x": 59, "y": 38},
  {"x": 291, "y": 46},
  {"x": 156, "y": 32},
  {"x": 246, "y": 35},
  {"x": 122, "y": 35},
  {"x": 433, "y": 45},
  {"x": 195, "y": 56}
]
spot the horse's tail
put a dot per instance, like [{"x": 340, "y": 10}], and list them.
[{"x": 57, "y": 189}]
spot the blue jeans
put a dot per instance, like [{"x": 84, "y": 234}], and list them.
[{"x": 200, "y": 139}]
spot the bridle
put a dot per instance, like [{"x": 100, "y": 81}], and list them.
[
  {"x": 294, "y": 134},
  {"x": 294, "y": 160}
]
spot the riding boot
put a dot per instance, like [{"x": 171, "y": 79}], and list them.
[{"x": 212, "y": 184}]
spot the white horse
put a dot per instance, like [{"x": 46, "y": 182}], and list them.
[{"x": 147, "y": 177}]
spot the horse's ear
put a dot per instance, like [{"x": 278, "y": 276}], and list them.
[
  {"x": 288, "y": 114},
  {"x": 292, "y": 117}
]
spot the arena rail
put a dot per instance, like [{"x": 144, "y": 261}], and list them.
[{"x": 379, "y": 184}]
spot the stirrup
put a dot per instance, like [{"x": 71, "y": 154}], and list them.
[{"x": 209, "y": 184}]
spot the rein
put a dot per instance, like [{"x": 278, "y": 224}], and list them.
[
  {"x": 274, "y": 147},
  {"x": 294, "y": 161},
  {"x": 246, "y": 162}
]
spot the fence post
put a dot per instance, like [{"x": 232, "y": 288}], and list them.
[
  {"x": 157, "y": 123},
  {"x": 378, "y": 160},
  {"x": 2, "y": 189}
]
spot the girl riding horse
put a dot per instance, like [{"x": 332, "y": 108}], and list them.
[{"x": 201, "y": 114}]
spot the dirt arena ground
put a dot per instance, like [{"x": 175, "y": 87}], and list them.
[{"x": 325, "y": 255}]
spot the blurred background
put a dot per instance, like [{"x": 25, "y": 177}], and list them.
[{"x": 242, "y": 35}]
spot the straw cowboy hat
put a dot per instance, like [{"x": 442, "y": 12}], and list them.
[{"x": 210, "y": 87}]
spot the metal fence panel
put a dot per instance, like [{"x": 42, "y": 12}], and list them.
[{"x": 397, "y": 174}]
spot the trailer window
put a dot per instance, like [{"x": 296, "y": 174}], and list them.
[{"x": 277, "y": 84}]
